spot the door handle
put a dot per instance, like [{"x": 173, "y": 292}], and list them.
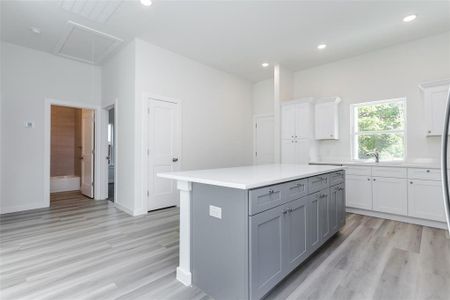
[{"x": 175, "y": 159}]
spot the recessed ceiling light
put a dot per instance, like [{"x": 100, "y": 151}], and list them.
[
  {"x": 146, "y": 2},
  {"x": 265, "y": 65},
  {"x": 35, "y": 30},
  {"x": 321, "y": 46},
  {"x": 409, "y": 18}
]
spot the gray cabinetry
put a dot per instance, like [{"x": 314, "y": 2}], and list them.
[
  {"x": 337, "y": 207},
  {"x": 261, "y": 235},
  {"x": 296, "y": 189},
  {"x": 318, "y": 183},
  {"x": 296, "y": 233},
  {"x": 324, "y": 214},
  {"x": 313, "y": 210},
  {"x": 265, "y": 198},
  {"x": 267, "y": 231},
  {"x": 334, "y": 210},
  {"x": 340, "y": 204}
]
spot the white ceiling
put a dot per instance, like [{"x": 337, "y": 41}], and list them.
[{"x": 237, "y": 36}]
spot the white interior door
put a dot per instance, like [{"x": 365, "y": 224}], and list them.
[
  {"x": 163, "y": 149},
  {"x": 87, "y": 152},
  {"x": 264, "y": 140}
]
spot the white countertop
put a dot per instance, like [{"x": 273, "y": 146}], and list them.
[
  {"x": 249, "y": 177},
  {"x": 403, "y": 164}
]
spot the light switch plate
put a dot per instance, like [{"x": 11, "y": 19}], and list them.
[{"x": 215, "y": 211}]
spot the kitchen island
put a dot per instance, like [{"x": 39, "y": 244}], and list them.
[{"x": 243, "y": 229}]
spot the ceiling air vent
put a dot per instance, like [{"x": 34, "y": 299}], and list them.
[
  {"x": 85, "y": 44},
  {"x": 97, "y": 11}
]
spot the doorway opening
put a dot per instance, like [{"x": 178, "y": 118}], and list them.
[
  {"x": 111, "y": 154},
  {"x": 71, "y": 153}
]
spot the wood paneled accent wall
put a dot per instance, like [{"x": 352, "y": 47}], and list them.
[{"x": 65, "y": 141}]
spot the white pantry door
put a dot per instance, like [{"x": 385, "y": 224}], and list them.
[
  {"x": 87, "y": 152},
  {"x": 264, "y": 140},
  {"x": 163, "y": 151}
]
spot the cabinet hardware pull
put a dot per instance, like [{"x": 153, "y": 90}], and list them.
[
  {"x": 368, "y": 179},
  {"x": 428, "y": 171},
  {"x": 410, "y": 182},
  {"x": 374, "y": 179},
  {"x": 271, "y": 191},
  {"x": 290, "y": 210},
  {"x": 285, "y": 211}
]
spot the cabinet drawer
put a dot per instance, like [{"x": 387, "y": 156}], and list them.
[
  {"x": 318, "y": 183},
  {"x": 296, "y": 189},
  {"x": 427, "y": 174},
  {"x": 359, "y": 170},
  {"x": 265, "y": 198},
  {"x": 389, "y": 172},
  {"x": 337, "y": 177}
]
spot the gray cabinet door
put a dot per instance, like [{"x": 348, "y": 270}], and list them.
[
  {"x": 313, "y": 210},
  {"x": 266, "y": 250},
  {"x": 333, "y": 206},
  {"x": 340, "y": 203},
  {"x": 296, "y": 233},
  {"x": 324, "y": 215}
]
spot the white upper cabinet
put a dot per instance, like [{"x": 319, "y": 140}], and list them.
[
  {"x": 435, "y": 99},
  {"x": 326, "y": 118},
  {"x": 296, "y": 120},
  {"x": 296, "y": 131},
  {"x": 288, "y": 121},
  {"x": 304, "y": 121}
]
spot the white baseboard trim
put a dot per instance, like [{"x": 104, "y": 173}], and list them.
[
  {"x": 17, "y": 208},
  {"x": 404, "y": 219},
  {"x": 184, "y": 277},
  {"x": 123, "y": 208}
]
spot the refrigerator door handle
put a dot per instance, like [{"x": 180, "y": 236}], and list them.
[{"x": 444, "y": 165}]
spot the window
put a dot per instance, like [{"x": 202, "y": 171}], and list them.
[{"x": 379, "y": 127}]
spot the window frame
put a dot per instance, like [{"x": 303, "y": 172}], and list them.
[{"x": 354, "y": 134}]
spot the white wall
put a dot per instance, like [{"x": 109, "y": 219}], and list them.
[
  {"x": 388, "y": 73},
  {"x": 262, "y": 97},
  {"x": 217, "y": 107},
  {"x": 118, "y": 87},
  {"x": 28, "y": 77},
  {"x": 216, "y": 113}
]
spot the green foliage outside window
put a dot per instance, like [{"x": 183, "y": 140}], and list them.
[{"x": 380, "y": 128}]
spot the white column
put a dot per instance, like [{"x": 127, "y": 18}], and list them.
[{"x": 184, "y": 269}]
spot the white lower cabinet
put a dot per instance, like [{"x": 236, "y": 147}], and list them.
[
  {"x": 406, "y": 192},
  {"x": 426, "y": 200},
  {"x": 390, "y": 195},
  {"x": 359, "y": 191}
]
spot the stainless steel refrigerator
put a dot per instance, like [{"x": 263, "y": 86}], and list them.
[{"x": 444, "y": 165}]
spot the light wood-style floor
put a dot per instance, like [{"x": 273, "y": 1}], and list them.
[{"x": 86, "y": 249}]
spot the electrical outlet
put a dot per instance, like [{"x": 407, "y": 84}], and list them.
[{"x": 215, "y": 211}]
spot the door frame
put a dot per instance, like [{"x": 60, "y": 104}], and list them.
[
  {"x": 104, "y": 148},
  {"x": 98, "y": 193},
  {"x": 255, "y": 118},
  {"x": 145, "y": 145}
]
